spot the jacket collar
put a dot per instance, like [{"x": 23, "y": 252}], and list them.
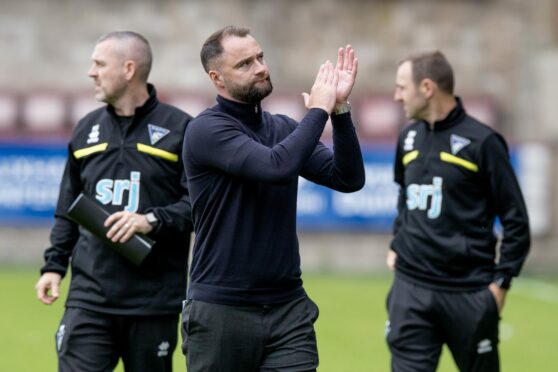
[
  {"x": 246, "y": 113},
  {"x": 453, "y": 118},
  {"x": 146, "y": 107}
]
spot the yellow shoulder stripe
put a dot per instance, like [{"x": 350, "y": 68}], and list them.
[
  {"x": 409, "y": 157},
  {"x": 90, "y": 150},
  {"x": 449, "y": 158},
  {"x": 157, "y": 152}
]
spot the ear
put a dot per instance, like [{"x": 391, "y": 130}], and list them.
[
  {"x": 427, "y": 87},
  {"x": 129, "y": 69},
  {"x": 216, "y": 78}
]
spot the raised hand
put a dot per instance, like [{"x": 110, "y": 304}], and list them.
[
  {"x": 323, "y": 92},
  {"x": 347, "y": 65}
]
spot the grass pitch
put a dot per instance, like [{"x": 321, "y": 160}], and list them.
[{"x": 350, "y": 328}]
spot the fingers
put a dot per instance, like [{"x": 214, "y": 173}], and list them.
[
  {"x": 349, "y": 58},
  {"x": 49, "y": 281},
  {"x": 329, "y": 72},
  {"x": 340, "y": 59},
  {"x": 324, "y": 74},
  {"x": 347, "y": 62},
  {"x": 499, "y": 295},
  {"x": 345, "y": 59},
  {"x": 122, "y": 226},
  {"x": 390, "y": 259},
  {"x": 323, "y": 92},
  {"x": 354, "y": 68},
  {"x": 113, "y": 217},
  {"x": 335, "y": 79},
  {"x": 42, "y": 293}
]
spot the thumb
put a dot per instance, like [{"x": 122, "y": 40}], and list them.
[
  {"x": 306, "y": 98},
  {"x": 55, "y": 290}
]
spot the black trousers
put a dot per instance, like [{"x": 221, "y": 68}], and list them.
[
  {"x": 421, "y": 320},
  {"x": 88, "y": 341},
  {"x": 221, "y": 338}
]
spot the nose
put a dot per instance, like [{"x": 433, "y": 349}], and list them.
[
  {"x": 92, "y": 72},
  {"x": 397, "y": 96},
  {"x": 260, "y": 68}
]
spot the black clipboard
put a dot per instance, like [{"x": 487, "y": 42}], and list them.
[{"x": 91, "y": 215}]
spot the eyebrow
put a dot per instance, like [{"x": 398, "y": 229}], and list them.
[{"x": 242, "y": 61}]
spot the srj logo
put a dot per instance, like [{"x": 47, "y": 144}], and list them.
[
  {"x": 112, "y": 191},
  {"x": 418, "y": 195}
]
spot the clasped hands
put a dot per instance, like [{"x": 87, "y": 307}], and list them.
[{"x": 333, "y": 85}]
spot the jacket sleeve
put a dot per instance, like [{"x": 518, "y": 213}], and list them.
[
  {"x": 399, "y": 178},
  {"x": 65, "y": 232},
  {"x": 509, "y": 207},
  {"x": 176, "y": 218},
  {"x": 343, "y": 168},
  {"x": 218, "y": 142}
]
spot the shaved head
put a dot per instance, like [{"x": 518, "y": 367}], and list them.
[{"x": 134, "y": 47}]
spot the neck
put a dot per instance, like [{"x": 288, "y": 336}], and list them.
[
  {"x": 135, "y": 97},
  {"x": 439, "y": 109}
]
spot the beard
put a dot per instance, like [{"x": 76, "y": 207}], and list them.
[{"x": 251, "y": 93}]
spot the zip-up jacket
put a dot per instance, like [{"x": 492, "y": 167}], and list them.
[
  {"x": 135, "y": 167},
  {"x": 455, "y": 179},
  {"x": 243, "y": 167}
]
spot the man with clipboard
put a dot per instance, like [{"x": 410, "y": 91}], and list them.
[{"x": 125, "y": 155}]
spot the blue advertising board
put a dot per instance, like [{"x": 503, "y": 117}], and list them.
[
  {"x": 30, "y": 176},
  {"x": 372, "y": 209}
]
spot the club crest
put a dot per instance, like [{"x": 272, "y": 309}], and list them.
[
  {"x": 156, "y": 133},
  {"x": 458, "y": 143}
]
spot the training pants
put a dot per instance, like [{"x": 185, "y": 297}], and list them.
[
  {"x": 421, "y": 320},
  {"x": 88, "y": 341}
]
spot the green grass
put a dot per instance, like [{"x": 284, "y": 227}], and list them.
[{"x": 350, "y": 328}]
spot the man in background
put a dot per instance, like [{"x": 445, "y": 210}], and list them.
[
  {"x": 456, "y": 178},
  {"x": 246, "y": 308},
  {"x": 127, "y": 156}
]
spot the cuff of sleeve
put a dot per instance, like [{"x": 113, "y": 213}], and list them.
[
  {"x": 318, "y": 114},
  {"x": 503, "y": 281},
  {"x": 342, "y": 121},
  {"x": 53, "y": 269},
  {"x": 157, "y": 227}
]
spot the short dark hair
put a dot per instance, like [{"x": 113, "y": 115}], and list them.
[
  {"x": 141, "y": 53},
  {"x": 434, "y": 66},
  {"x": 212, "y": 48}
]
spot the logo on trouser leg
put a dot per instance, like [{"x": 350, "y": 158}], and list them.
[
  {"x": 484, "y": 346},
  {"x": 163, "y": 349},
  {"x": 60, "y": 336},
  {"x": 387, "y": 329}
]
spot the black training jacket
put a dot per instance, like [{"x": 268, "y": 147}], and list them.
[
  {"x": 136, "y": 167},
  {"x": 455, "y": 180}
]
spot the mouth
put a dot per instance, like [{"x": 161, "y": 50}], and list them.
[{"x": 264, "y": 80}]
